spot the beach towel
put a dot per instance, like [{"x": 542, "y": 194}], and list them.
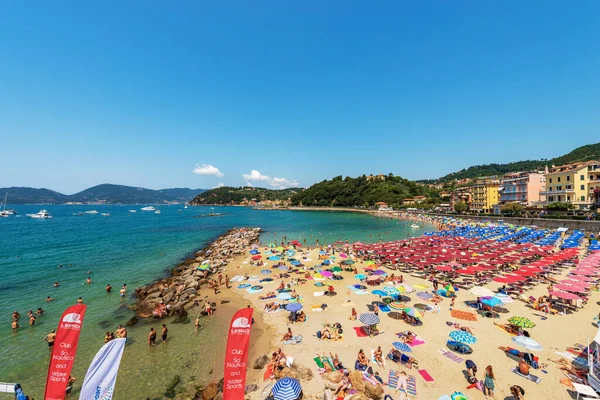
[
  {"x": 294, "y": 340},
  {"x": 252, "y": 291},
  {"x": 244, "y": 286},
  {"x": 268, "y": 372},
  {"x": 384, "y": 309},
  {"x": 351, "y": 287},
  {"x": 411, "y": 384},
  {"x": 425, "y": 375},
  {"x": 369, "y": 378},
  {"x": 318, "y": 294},
  {"x": 360, "y": 331},
  {"x": 316, "y": 308},
  {"x": 237, "y": 278},
  {"x": 393, "y": 379},
  {"x": 466, "y": 315},
  {"x": 529, "y": 377},
  {"x": 416, "y": 341},
  {"x": 319, "y": 362},
  {"x": 450, "y": 355},
  {"x": 373, "y": 358}
]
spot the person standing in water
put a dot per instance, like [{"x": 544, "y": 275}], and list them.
[
  {"x": 152, "y": 337},
  {"x": 108, "y": 288},
  {"x": 197, "y": 323},
  {"x": 164, "y": 333},
  {"x": 123, "y": 290},
  {"x": 50, "y": 338}
]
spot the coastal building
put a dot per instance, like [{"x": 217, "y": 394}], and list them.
[
  {"x": 572, "y": 183},
  {"x": 382, "y": 206},
  {"x": 379, "y": 177},
  {"x": 444, "y": 194},
  {"x": 484, "y": 195},
  {"x": 414, "y": 200},
  {"x": 522, "y": 187},
  {"x": 464, "y": 194}
]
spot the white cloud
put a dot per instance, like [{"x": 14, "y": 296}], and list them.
[
  {"x": 207, "y": 169},
  {"x": 282, "y": 183},
  {"x": 254, "y": 175},
  {"x": 218, "y": 185}
]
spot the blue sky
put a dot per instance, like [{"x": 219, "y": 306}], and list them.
[{"x": 144, "y": 92}]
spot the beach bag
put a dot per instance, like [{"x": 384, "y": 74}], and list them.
[{"x": 319, "y": 334}]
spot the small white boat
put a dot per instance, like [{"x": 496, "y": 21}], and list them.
[
  {"x": 105, "y": 214},
  {"x": 43, "y": 214},
  {"x": 157, "y": 212},
  {"x": 4, "y": 212},
  {"x": 185, "y": 207},
  {"x": 415, "y": 226},
  {"x": 149, "y": 208},
  {"x": 132, "y": 211},
  {"x": 92, "y": 212},
  {"x": 78, "y": 214}
]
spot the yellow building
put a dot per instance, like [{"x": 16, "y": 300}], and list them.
[
  {"x": 572, "y": 183},
  {"x": 485, "y": 195}
]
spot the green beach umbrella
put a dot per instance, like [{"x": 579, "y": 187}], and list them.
[
  {"x": 272, "y": 245},
  {"x": 279, "y": 248},
  {"x": 336, "y": 269},
  {"x": 521, "y": 322},
  {"x": 349, "y": 262}
]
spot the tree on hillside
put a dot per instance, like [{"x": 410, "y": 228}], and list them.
[{"x": 460, "y": 206}]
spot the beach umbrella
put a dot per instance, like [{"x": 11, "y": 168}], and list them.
[
  {"x": 267, "y": 280},
  {"x": 254, "y": 251},
  {"x": 462, "y": 337},
  {"x": 390, "y": 290},
  {"x": 274, "y": 258},
  {"x": 283, "y": 267},
  {"x": 296, "y": 263},
  {"x": 322, "y": 253},
  {"x": 395, "y": 305},
  {"x": 342, "y": 255},
  {"x": 257, "y": 257},
  {"x": 368, "y": 319},
  {"x": 360, "y": 276},
  {"x": 349, "y": 262},
  {"x": 450, "y": 288},
  {"x": 378, "y": 272},
  {"x": 521, "y": 322},
  {"x": 293, "y": 307},
  {"x": 279, "y": 248},
  {"x": 327, "y": 262},
  {"x": 286, "y": 389},
  {"x": 370, "y": 262},
  {"x": 424, "y": 295},
  {"x": 491, "y": 301},
  {"x": 326, "y": 274},
  {"x": 402, "y": 347},
  {"x": 527, "y": 343},
  {"x": 379, "y": 293},
  {"x": 361, "y": 287},
  {"x": 480, "y": 291},
  {"x": 284, "y": 296},
  {"x": 336, "y": 269},
  {"x": 290, "y": 253},
  {"x": 564, "y": 295},
  {"x": 413, "y": 312},
  {"x": 272, "y": 245},
  {"x": 265, "y": 271}
]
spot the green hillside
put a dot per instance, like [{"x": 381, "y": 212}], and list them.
[
  {"x": 236, "y": 195},
  {"x": 350, "y": 192},
  {"x": 583, "y": 153}
]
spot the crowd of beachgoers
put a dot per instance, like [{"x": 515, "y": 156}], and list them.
[{"x": 470, "y": 311}]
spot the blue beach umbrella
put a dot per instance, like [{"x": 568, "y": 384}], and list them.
[
  {"x": 254, "y": 252},
  {"x": 296, "y": 263},
  {"x": 293, "y": 307},
  {"x": 360, "y": 276},
  {"x": 491, "y": 301},
  {"x": 327, "y": 262},
  {"x": 274, "y": 258},
  {"x": 265, "y": 271},
  {"x": 286, "y": 389},
  {"x": 283, "y": 267},
  {"x": 322, "y": 253},
  {"x": 290, "y": 253},
  {"x": 462, "y": 337},
  {"x": 390, "y": 290},
  {"x": 402, "y": 347}
]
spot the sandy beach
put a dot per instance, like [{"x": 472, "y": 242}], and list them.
[{"x": 555, "y": 333}]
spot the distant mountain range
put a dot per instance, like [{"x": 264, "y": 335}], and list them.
[
  {"x": 583, "y": 153},
  {"x": 106, "y": 193}
]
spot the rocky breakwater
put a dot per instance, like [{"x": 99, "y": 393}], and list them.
[{"x": 186, "y": 280}]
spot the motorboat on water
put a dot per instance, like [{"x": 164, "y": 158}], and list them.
[
  {"x": 132, "y": 211},
  {"x": 149, "y": 208},
  {"x": 78, "y": 214},
  {"x": 157, "y": 212},
  {"x": 105, "y": 214},
  {"x": 43, "y": 214},
  {"x": 92, "y": 212},
  {"x": 185, "y": 207}
]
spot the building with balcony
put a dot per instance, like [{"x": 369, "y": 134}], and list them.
[
  {"x": 463, "y": 194},
  {"x": 522, "y": 187},
  {"x": 572, "y": 183},
  {"x": 485, "y": 195}
]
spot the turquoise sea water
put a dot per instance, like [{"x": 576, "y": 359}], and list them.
[{"x": 133, "y": 248}]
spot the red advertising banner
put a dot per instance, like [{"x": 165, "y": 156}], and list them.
[
  {"x": 234, "y": 382},
  {"x": 63, "y": 352}
]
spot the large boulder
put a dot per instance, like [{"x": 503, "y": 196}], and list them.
[
  {"x": 261, "y": 361},
  {"x": 359, "y": 397},
  {"x": 374, "y": 392},
  {"x": 335, "y": 376},
  {"x": 303, "y": 372},
  {"x": 330, "y": 385},
  {"x": 181, "y": 315},
  {"x": 356, "y": 378},
  {"x": 210, "y": 391}
]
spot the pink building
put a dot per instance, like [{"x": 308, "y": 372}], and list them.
[{"x": 522, "y": 187}]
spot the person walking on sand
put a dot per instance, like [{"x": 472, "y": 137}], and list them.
[
  {"x": 50, "y": 338},
  {"x": 163, "y": 333},
  {"x": 227, "y": 281},
  {"x": 197, "y": 323},
  {"x": 489, "y": 382},
  {"x": 151, "y": 337}
]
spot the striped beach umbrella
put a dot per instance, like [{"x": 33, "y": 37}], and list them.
[
  {"x": 286, "y": 389},
  {"x": 402, "y": 347},
  {"x": 521, "y": 322},
  {"x": 368, "y": 318},
  {"x": 462, "y": 337},
  {"x": 413, "y": 312},
  {"x": 396, "y": 305}
]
